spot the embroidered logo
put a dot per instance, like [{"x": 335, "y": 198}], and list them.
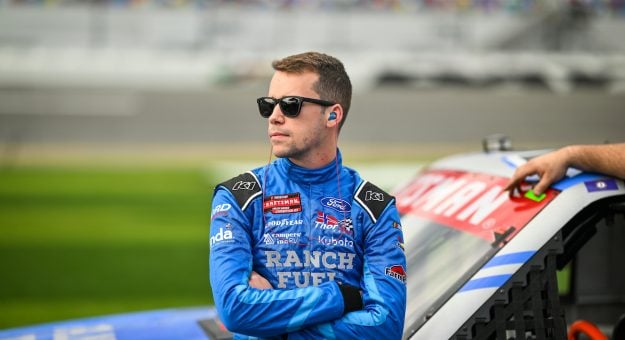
[{"x": 283, "y": 204}]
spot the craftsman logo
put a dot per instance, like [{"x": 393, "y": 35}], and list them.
[
  {"x": 397, "y": 272},
  {"x": 222, "y": 235},
  {"x": 283, "y": 204},
  {"x": 220, "y": 210},
  {"x": 374, "y": 196},
  {"x": 241, "y": 185},
  {"x": 337, "y": 204}
]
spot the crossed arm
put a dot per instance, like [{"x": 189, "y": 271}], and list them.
[
  {"x": 247, "y": 304},
  {"x": 259, "y": 282},
  {"x": 608, "y": 159}
]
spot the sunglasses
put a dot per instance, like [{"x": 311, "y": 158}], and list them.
[{"x": 290, "y": 105}]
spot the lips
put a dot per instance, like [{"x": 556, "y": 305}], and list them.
[{"x": 277, "y": 134}]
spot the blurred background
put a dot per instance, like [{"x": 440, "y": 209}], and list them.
[{"x": 118, "y": 117}]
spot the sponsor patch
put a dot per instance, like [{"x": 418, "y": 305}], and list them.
[
  {"x": 346, "y": 226},
  {"x": 220, "y": 210},
  {"x": 336, "y": 204},
  {"x": 374, "y": 196},
  {"x": 338, "y": 242},
  {"x": 281, "y": 238},
  {"x": 224, "y": 235},
  {"x": 288, "y": 266},
  {"x": 373, "y": 199},
  {"x": 396, "y": 225},
  {"x": 283, "y": 204},
  {"x": 328, "y": 222},
  {"x": 325, "y": 221},
  {"x": 244, "y": 185},
  {"x": 397, "y": 272},
  {"x": 285, "y": 222},
  {"x": 400, "y": 243},
  {"x": 601, "y": 185}
]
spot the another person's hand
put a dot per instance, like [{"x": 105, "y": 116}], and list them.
[
  {"x": 259, "y": 282},
  {"x": 550, "y": 167}
]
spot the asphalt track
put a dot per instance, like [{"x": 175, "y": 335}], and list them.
[{"x": 381, "y": 116}]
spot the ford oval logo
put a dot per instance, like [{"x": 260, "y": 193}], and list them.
[{"x": 337, "y": 204}]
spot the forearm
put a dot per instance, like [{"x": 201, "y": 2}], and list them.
[
  {"x": 608, "y": 159},
  {"x": 265, "y": 313},
  {"x": 381, "y": 318}
]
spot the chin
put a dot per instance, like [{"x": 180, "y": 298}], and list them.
[{"x": 279, "y": 152}]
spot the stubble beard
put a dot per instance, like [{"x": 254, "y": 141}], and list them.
[{"x": 292, "y": 151}]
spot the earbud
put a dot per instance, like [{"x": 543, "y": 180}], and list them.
[{"x": 332, "y": 116}]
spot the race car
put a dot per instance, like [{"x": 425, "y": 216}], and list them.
[{"x": 482, "y": 263}]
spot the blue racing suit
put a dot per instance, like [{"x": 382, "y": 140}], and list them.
[{"x": 309, "y": 232}]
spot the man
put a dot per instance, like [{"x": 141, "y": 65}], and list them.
[
  {"x": 303, "y": 247},
  {"x": 608, "y": 159}
]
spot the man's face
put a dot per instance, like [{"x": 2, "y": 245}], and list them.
[{"x": 301, "y": 137}]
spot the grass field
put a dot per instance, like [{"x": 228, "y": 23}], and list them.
[{"x": 78, "y": 242}]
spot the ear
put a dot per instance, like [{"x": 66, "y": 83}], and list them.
[{"x": 334, "y": 116}]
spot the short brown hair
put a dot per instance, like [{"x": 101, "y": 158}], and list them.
[{"x": 333, "y": 84}]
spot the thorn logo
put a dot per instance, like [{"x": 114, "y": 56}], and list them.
[
  {"x": 374, "y": 196},
  {"x": 222, "y": 235},
  {"x": 325, "y": 221},
  {"x": 240, "y": 185},
  {"x": 397, "y": 272},
  {"x": 328, "y": 222}
]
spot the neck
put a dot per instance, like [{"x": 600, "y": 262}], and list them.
[{"x": 317, "y": 158}]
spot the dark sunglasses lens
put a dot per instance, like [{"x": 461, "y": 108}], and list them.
[
  {"x": 290, "y": 106},
  {"x": 265, "y": 106}
]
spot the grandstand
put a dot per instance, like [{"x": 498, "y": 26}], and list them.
[{"x": 203, "y": 43}]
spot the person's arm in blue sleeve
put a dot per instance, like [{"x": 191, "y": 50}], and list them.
[
  {"x": 254, "y": 312},
  {"x": 383, "y": 286}
]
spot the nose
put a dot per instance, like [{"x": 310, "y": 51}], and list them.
[{"x": 277, "y": 117}]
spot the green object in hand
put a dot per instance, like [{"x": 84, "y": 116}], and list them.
[{"x": 531, "y": 195}]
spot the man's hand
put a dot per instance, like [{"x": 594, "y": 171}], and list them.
[
  {"x": 550, "y": 167},
  {"x": 259, "y": 282}
]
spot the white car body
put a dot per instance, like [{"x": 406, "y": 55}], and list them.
[{"x": 465, "y": 195}]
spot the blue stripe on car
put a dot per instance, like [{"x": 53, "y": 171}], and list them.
[
  {"x": 577, "y": 179},
  {"x": 494, "y": 281},
  {"x": 512, "y": 258}
]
